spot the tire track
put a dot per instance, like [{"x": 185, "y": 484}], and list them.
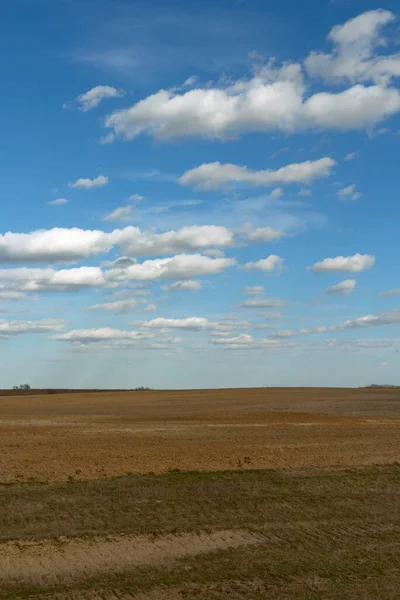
[{"x": 69, "y": 560}]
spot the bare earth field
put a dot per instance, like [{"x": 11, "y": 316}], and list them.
[
  {"x": 219, "y": 494},
  {"x": 81, "y": 436}
]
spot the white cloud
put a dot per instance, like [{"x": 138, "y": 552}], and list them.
[
  {"x": 269, "y": 264},
  {"x": 179, "y": 267},
  {"x": 353, "y": 264},
  {"x": 14, "y": 328},
  {"x": 133, "y": 241},
  {"x": 265, "y": 234},
  {"x": 211, "y": 176},
  {"x": 87, "y": 336},
  {"x": 253, "y": 290},
  {"x": 351, "y": 156},
  {"x": 391, "y": 293},
  {"x": 119, "y": 306},
  {"x": 93, "y": 97},
  {"x": 274, "y": 99},
  {"x": 349, "y": 192},
  {"x": 214, "y": 253},
  {"x": 190, "y": 323},
  {"x": 48, "y": 279},
  {"x": 276, "y": 193},
  {"x": 11, "y": 295},
  {"x": 136, "y": 198},
  {"x": 182, "y": 266},
  {"x": 119, "y": 214},
  {"x": 150, "y": 307},
  {"x": 262, "y": 303},
  {"x": 272, "y": 315},
  {"x": 189, "y": 285},
  {"x": 305, "y": 192},
  {"x": 69, "y": 245},
  {"x": 87, "y": 184},
  {"x": 344, "y": 287},
  {"x": 354, "y": 55},
  {"x": 59, "y": 202}
]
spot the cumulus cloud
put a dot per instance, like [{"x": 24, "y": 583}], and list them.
[
  {"x": 189, "y": 323},
  {"x": 262, "y": 303},
  {"x": 253, "y": 290},
  {"x": 179, "y": 267},
  {"x": 269, "y": 264},
  {"x": 48, "y": 279},
  {"x": 13, "y": 328},
  {"x": 88, "y": 336},
  {"x": 351, "y": 156},
  {"x": 214, "y": 253},
  {"x": 344, "y": 287},
  {"x": 11, "y": 295},
  {"x": 265, "y": 234},
  {"x": 349, "y": 192},
  {"x": 69, "y": 245},
  {"x": 59, "y": 202},
  {"x": 211, "y": 176},
  {"x": 278, "y": 98},
  {"x": 119, "y": 306},
  {"x": 354, "y": 264},
  {"x": 189, "y": 285},
  {"x": 182, "y": 266},
  {"x": 92, "y": 98},
  {"x": 87, "y": 184},
  {"x": 354, "y": 55},
  {"x": 391, "y": 293},
  {"x": 119, "y": 214}
]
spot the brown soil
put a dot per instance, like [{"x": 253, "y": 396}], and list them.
[
  {"x": 70, "y": 560},
  {"x": 97, "y": 434}
]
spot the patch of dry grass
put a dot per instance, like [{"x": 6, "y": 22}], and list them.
[{"x": 329, "y": 534}]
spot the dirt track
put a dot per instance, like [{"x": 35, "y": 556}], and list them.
[
  {"x": 83, "y": 436},
  {"x": 72, "y": 560}
]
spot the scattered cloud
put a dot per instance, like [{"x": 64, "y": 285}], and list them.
[
  {"x": 262, "y": 303},
  {"x": 353, "y": 57},
  {"x": 14, "y": 328},
  {"x": 59, "y": 202},
  {"x": 353, "y": 264},
  {"x": 344, "y": 287},
  {"x": 274, "y": 99},
  {"x": 265, "y": 234},
  {"x": 189, "y": 285},
  {"x": 119, "y": 214},
  {"x": 118, "y": 307},
  {"x": 183, "y": 266},
  {"x": 305, "y": 192},
  {"x": 351, "y": 156},
  {"x": 88, "y": 184},
  {"x": 88, "y": 336},
  {"x": 349, "y": 192},
  {"x": 383, "y": 364},
  {"x": 269, "y": 264},
  {"x": 253, "y": 290},
  {"x": 136, "y": 198},
  {"x": 391, "y": 293},
  {"x": 210, "y": 176},
  {"x": 150, "y": 307},
  {"x": 189, "y": 323},
  {"x": 93, "y": 97},
  {"x": 69, "y": 245}
]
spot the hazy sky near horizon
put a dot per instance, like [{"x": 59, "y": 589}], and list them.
[{"x": 200, "y": 194}]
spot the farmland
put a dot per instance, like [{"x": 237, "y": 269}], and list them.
[{"x": 258, "y": 493}]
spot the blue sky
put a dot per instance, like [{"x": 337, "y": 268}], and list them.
[{"x": 200, "y": 194}]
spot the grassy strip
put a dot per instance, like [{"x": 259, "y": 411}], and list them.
[
  {"x": 178, "y": 502},
  {"x": 329, "y": 534}
]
